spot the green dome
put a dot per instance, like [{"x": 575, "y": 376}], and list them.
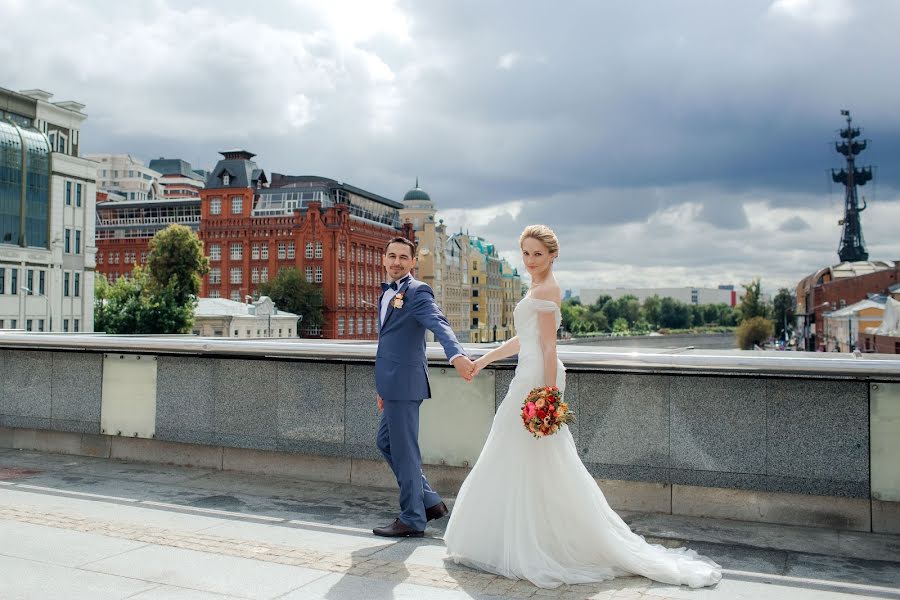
[{"x": 417, "y": 193}]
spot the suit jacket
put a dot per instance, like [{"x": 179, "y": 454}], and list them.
[{"x": 401, "y": 368}]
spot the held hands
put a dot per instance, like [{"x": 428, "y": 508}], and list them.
[
  {"x": 479, "y": 364},
  {"x": 465, "y": 367}
]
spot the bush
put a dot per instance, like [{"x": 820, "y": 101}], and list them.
[{"x": 754, "y": 331}]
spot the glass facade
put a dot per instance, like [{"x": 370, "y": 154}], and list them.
[{"x": 34, "y": 175}]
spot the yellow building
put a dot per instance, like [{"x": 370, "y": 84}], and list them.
[
  {"x": 842, "y": 327},
  {"x": 512, "y": 293},
  {"x": 442, "y": 261}
]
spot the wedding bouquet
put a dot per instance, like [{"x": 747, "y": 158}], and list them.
[{"x": 544, "y": 412}]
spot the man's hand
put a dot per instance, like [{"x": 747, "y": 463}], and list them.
[
  {"x": 465, "y": 367},
  {"x": 380, "y": 402}
]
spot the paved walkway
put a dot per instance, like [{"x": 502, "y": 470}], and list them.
[{"x": 74, "y": 527}]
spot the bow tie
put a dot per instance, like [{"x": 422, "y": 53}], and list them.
[{"x": 393, "y": 286}]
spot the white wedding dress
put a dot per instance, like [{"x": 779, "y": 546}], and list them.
[{"x": 530, "y": 510}]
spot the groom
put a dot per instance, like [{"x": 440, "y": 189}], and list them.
[{"x": 407, "y": 309}]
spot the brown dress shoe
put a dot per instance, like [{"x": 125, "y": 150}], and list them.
[
  {"x": 437, "y": 511},
  {"x": 397, "y": 529}
]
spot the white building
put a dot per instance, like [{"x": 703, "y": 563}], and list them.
[
  {"x": 127, "y": 176},
  {"x": 47, "y": 219},
  {"x": 687, "y": 295},
  {"x": 177, "y": 180},
  {"x": 218, "y": 317}
]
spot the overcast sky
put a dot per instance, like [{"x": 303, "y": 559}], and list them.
[{"x": 667, "y": 142}]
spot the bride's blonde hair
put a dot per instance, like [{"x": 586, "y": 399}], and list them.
[{"x": 543, "y": 234}]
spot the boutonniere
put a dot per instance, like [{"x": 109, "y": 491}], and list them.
[{"x": 397, "y": 302}]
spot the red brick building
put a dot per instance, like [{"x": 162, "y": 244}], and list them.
[
  {"x": 833, "y": 288},
  {"x": 125, "y": 227},
  {"x": 333, "y": 233}
]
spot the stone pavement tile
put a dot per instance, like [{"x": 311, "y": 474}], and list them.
[
  {"x": 868, "y": 546},
  {"x": 59, "y": 546},
  {"x": 92, "y": 509},
  {"x": 323, "y": 539},
  {"x": 336, "y": 586},
  {"x": 425, "y": 551},
  {"x": 168, "y": 592},
  {"x": 755, "y": 588},
  {"x": 844, "y": 570},
  {"x": 207, "y": 572},
  {"x": 35, "y": 580}
]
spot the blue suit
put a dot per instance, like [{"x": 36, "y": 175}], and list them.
[{"x": 401, "y": 379}]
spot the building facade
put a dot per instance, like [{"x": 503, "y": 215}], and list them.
[
  {"x": 47, "y": 200},
  {"x": 218, "y": 317},
  {"x": 836, "y": 287},
  {"x": 334, "y": 233},
  {"x": 177, "y": 181},
  {"x": 127, "y": 176}
]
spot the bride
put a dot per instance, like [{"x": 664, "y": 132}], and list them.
[{"x": 529, "y": 509}]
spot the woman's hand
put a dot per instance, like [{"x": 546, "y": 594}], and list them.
[{"x": 480, "y": 363}]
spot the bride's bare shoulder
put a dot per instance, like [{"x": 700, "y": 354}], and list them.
[{"x": 547, "y": 291}]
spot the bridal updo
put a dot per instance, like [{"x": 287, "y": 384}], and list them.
[{"x": 544, "y": 235}]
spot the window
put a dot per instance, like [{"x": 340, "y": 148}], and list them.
[
  {"x": 68, "y": 193},
  {"x": 264, "y": 275},
  {"x": 369, "y": 325},
  {"x": 214, "y": 294},
  {"x": 264, "y": 251},
  {"x": 235, "y": 276},
  {"x": 215, "y": 206},
  {"x": 2, "y": 280},
  {"x": 475, "y": 308},
  {"x": 99, "y": 258},
  {"x": 318, "y": 249},
  {"x": 254, "y": 275},
  {"x": 237, "y": 251},
  {"x": 475, "y": 323},
  {"x": 309, "y": 274},
  {"x": 254, "y": 251},
  {"x": 235, "y": 297},
  {"x": 474, "y": 293},
  {"x": 215, "y": 275},
  {"x": 215, "y": 252},
  {"x": 30, "y": 282},
  {"x": 68, "y": 240},
  {"x": 76, "y": 288},
  {"x": 66, "y": 325},
  {"x": 291, "y": 250},
  {"x": 77, "y": 241},
  {"x": 309, "y": 250},
  {"x": 341, "y": 250},
  {"x": 350, "y": 326},
  {"x": 340, "y": 298},
  {"x": 281, "y": 251},
  {"x": 237, "y": 205},
  {"x": 226, "y": 179},
  {"x": 318, "y": 274},
  {"x": 28, "y": 324},
  {"x": 143, "y": 257},
  {"x": 66, "y": 283},
  {"x": 78, "y": 194},
  {"x": 359, "y": 322},
  {"x": 77, "y": 326},
  {"x": 340, "y": 326}
]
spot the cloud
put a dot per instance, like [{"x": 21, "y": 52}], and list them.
[{"x": 660, "y": 146}]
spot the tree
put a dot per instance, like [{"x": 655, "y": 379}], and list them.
[
  {"x": 752, "y": 304},
  {"x": 783, "y": 312},
  {"x": 674, "y": 314},
  {"x": 754, "y": 331},
  {"x": 620, "y": 327},
  {"x": 651, "y": 311},
  {"x": 177, "y": 261},
  {"x": 290, "y": 291},
  {"x": 129, "y": 307}
]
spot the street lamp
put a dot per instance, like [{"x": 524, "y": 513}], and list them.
[{"x": 28, "y": 290}]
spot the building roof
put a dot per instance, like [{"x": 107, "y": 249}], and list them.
[
  {"x": 852, "y": 309},
  {"x": 174, "y": 166},
  {"x": 220, "y": 307},
  {"x": 417, "y": 193},
  {"x": 241, "y": 169}
]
